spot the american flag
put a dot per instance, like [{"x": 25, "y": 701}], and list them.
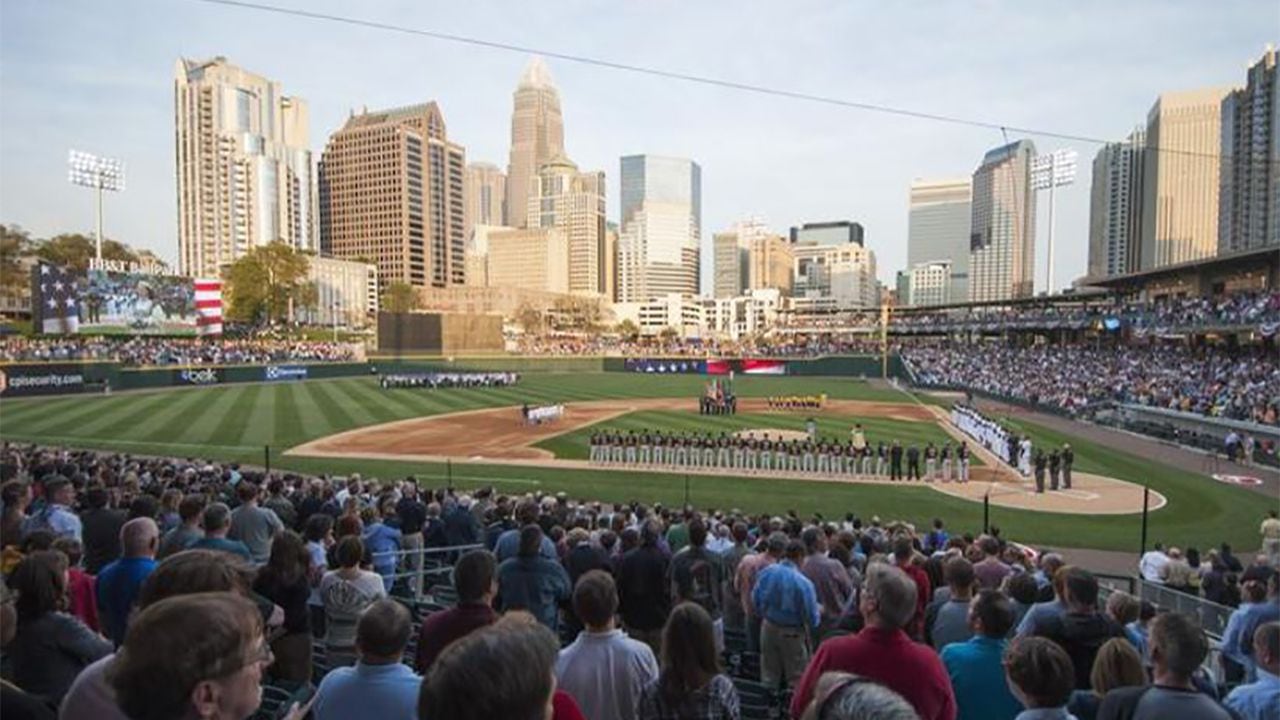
[
  {"x": 55, "y": 299},
  {"x": 208, "y": 306}
]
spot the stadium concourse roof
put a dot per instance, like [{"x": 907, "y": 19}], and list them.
[{"x": 1261, "y": 263}]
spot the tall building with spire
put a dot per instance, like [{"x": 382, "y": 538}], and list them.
[
  {"x": 243, "y": 165},
  {"x": 537, "y": 136},
  {"x": 391, "y": 191}
]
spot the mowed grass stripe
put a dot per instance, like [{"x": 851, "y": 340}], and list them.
[
  {"x": 259, "y": 421},
  {"x": 311, "y": 421},
  {"x": 20, "y": 410},
  {"x": 64, "y": 416},
  {"x": 182, "y": 413},
  {"x": 121, "y": 415},
  {"x": 334, "y": 413},
  {"x": 366, "y": 402},
  {"x": 225, "y": 428},
  {"x": 218, "y": 402},
  {"x": 287, "y": 420}
]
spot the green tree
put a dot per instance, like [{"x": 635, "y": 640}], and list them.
[
  {"x": 628, "y": 330},
  {"x": 531, "y": 319},
  {"x": 399, "y": 297},
  {"x": 15, "y": 244},
  {"x": 669, "y": 334},
  {"x": 262, "y": 284},
  {"x": 74, "y": 250}
]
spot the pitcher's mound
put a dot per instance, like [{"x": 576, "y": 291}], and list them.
[{"x": 774, "y": 434}]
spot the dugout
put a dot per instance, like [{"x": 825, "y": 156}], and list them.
[{"x": 439, "y": 333}]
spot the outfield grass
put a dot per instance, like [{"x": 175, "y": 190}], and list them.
[{"x": 234, "y": 423}]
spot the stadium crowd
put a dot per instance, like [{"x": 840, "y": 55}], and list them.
[
  {"x": 140, "y": 351},
  {"x": 1241, "y": 385},
  {"x": 162, "y": 587}
]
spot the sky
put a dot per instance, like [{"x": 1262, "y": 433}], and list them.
[{"x": 98, "y": 76}]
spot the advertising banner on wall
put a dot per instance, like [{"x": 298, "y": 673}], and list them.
[
  {"x": 276, "y": 373},
  {"x": 648, "y": 365},
  {"x": 198, "y": 376},
  {"x": 43, "y": 379}
]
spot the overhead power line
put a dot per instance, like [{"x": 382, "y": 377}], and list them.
[{"x": 688, "y": 77}]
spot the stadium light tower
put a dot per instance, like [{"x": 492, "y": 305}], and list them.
[
  {"x": 1055, "y": 169},
  {"x": 100, "y": 173}
]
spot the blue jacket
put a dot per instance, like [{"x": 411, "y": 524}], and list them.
[{"x": 534, "y": 584}]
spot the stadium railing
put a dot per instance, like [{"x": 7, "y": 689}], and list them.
[{"x": 434, "y": 562}]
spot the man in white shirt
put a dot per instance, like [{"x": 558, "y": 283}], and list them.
[
  {"x": 604, "y": 670},
  {"x": 1152, "y": 563}
]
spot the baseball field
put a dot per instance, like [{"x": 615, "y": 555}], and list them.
[{"x": 475, "y": 437}]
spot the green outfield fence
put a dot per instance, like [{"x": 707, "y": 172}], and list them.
[{"x": 61, "y": 378}]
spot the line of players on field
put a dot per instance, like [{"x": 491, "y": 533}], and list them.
[{"x": 826, "y": 456}]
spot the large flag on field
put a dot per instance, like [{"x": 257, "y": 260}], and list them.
[
  {"x": 208, "y": 307},
  {"x": 55, "y": 299}
]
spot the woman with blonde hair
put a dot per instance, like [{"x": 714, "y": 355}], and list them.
[{"x": 1116, "y": 665}]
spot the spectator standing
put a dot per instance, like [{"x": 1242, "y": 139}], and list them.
[
  {"x": 82, "y": 590},
  {"x": 382, "y": 542},
  {"x": 190, "y": 656},
  {"x": 883, "y": 652},
  {"x": 734, "y": 615},
  {"x": 50, "y": 646},
  {"x": 990, "y": 572},
  {"x": 16, "y": 497},
  {"x": 101, "y": 527},
  {"x": 508, "y": 543},
  {"x": 1039, "y": 674},
  {"x": 1262, "y": 594},
  {"x": 1260, "y": 700},
  {"x": 412, "y": 514},
  {"x": 844, "y": 696},
  {"x": 830, "y": 580},
  {"x": 745, "y": 579},
  {"x": 1042, "y": 614},
  {"x": 904, "y": 558},
  {"x": 286, "y": 581},
  {"x": 379, "y": 685},
  {"x": 319, "y": 537},
  {"x": 1270, "y": 531},
  {"x": 346, "y": 592},
  {"x": 1152, "y": 563},
  {"x": 190, "y": 509},
  {"x": 216, "y": 522},
  {"x": 1117, "y": 665},
  {"x": 976, "y": 666},
  {"x": 603, "y": 669},
  {"x": 643, "y": 592},
  {"x": 475, "y": 578},
  {"x": 277, "y": 503},
  {"x": 253, "y": 525},
  {"x": 1176, "y": 573},
  {"x": 506, "y": 670},
  {"x": 948, "y": 621},
  {"x": 788, "y": 604},
  {"x": 531, "y": 582},
  {"x": 691, "y": 685},
  {"x": 1178, "y": 647},
  {"x": 120, "y": 581},
  {"x": 697, "y": 575},
  {"x": 1081, "y": 630}
]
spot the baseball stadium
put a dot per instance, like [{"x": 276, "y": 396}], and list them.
[{"x": 333, "y": 417}]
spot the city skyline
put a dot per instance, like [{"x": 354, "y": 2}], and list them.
[{"x": 789, "y": 178}]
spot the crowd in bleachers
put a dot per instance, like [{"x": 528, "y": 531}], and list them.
[
  {"x": 140, "y": 351},
  {"x": 161, "y": 587},
  {"x": 1239, "y": 385},
  {"x": 781, "y": 346}
]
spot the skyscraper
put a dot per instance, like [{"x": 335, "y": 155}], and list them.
[
  {"x": 537, "y": 136},
  {"x": 573, "y": 202},
  {"x": 243, "y": 165},
  {"x": 391, "y": 190},
  {"x": 486, "y": 194},
  {"x": 837, "y": 232},
  {"x": 1115, "y": 207},
  {"x": 1002, "y": 229},
  {"x": 938, "y": 226},
  {"x": 1180, "y": 177},
  {"x": 731, "y": 255},
  {"x": 658, "y": 246},
  {"x": 771, "y": 263},
  {"x": 1249, "y": 197}
]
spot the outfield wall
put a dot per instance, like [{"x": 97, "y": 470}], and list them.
[{"x": 64, "y": 378}]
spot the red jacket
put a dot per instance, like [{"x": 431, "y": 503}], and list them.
[
  {"x": 924, "y": 593},
  {"x": 910, "y": 669},
  {"x": 84, "y": 599}
]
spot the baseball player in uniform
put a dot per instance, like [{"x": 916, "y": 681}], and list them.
[
  {"x": 722, "y": 451},
  {"x": 1068, "y": 459},
  {"x": 930, "y": 462},
  {"x": 1040, "y": 462},
  {"x": 633, "y": 444},
  {"x": 766, "y": 453},
  {"x": 945, "y": 455},
  {"x": 1055, "y": 465},
  {"x": 708, "y": 451},
  {"x": 962, "y": 461}
]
